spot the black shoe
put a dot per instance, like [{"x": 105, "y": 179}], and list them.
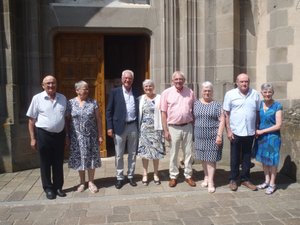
[
  {"x": 132, "y": 182},
  {"x": 60, "y": 193},
  {"x": 119, "y": 184},
  {"x": 50, "y": 194}
]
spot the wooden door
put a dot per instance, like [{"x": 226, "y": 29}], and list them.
[{"x": 81, "y": 57}]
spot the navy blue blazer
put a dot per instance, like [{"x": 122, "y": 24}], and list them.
[{"x": 116, "y": 110}]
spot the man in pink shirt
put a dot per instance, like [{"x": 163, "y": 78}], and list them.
[{"x": 177, "y": 119}]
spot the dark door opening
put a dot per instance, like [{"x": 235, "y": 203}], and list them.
[{"x": 120, "y": 53}]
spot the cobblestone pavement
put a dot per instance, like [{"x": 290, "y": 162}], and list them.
[{"x": 22, "y": 201}]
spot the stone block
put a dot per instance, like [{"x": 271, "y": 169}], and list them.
[
  {"x": 224, "y": 7},
  {"x": 224, "y": 40},
  {"x": 224, "y": 73},
  {"x": 225, "y": 23},
  {"x": 280, "y": 89},
  {"x": 280, "y": 37},
  {"x": 224, "y": 57},
  {"x": 278, "y": 55},
  {"x": 280, "y": 72},
  {"x": 278, "y": 19},
  {"x": 273, "y": 5}
]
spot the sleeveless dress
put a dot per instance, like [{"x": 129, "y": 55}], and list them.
[
  {"x": 268, "y": 148},
  {"x": 150, "y": 141},
  {"x": 206, "y": 130},
  {"x": 84, "y": 146}
]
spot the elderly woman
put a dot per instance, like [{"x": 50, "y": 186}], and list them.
[
  {"x": 84, "y": 132},
  {"x": 269, "y": 140},
  {"x": 208, "y": 133},
  {"x": 151, "y": 144}
]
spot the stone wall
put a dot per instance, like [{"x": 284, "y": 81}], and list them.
[{"x": 211, "y": 40}]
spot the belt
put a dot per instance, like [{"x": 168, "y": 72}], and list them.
[
  {"x": 180, "y": 125},
  {"x": 130, "y": 122},
  {"x": 48, "y": 132}
]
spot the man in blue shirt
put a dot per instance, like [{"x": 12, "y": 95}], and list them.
[{"x": 241, "y": 106}]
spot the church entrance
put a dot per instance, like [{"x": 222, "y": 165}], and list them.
[{"x": 99, "y": 59}]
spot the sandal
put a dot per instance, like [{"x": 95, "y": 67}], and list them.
[
  {"x": 156, "y": 180},
  {"x": 263, "y": 185},
  {"x": 204, "y": 183},
  {"x": 145, "y": 180},
  {"x": 211, "y": 188},
  {"x": 271, "y": 189},
  {"x": 93, "y": 188},
  {"x": 80, "y": 188}
]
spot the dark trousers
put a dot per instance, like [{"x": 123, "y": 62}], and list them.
[
  {"x": 240, "y": 153},
  {"x": 51, "y": 150}
]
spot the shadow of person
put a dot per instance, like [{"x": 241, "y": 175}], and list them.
[{"x": 287, "y": 173}]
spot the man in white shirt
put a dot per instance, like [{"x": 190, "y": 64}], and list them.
[
  {"x": 241, "y": 106},
  {"x": 46, "y": 128}
]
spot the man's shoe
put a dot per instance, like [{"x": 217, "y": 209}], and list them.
[
  {"x": 60, "y": 193},
  {"x": 249, "y": 185},
  {"x": 50, "y": 194},
  {"x": 190, "y": 182},
  {"x": 132, "y": 182},
  {"x": 119, "y": 184},
  {"x": 233, "y": 185},
  {"x": 172, "y": 182}
]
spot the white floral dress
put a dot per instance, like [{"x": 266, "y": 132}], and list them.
[{"x": 84, "y": 149}]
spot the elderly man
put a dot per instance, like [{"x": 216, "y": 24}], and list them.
[
  {"x": 177, "y": 119},
  {"x": 46, "y": 128},
  {"x": 121, "y": 117},
  {"x": 241, "y": 106}
]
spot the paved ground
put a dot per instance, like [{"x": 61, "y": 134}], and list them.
[{"x": 22, "y": 201}]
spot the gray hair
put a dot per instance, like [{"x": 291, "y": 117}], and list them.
[
  {"x": 207, "y": 84},
  {"x": 129, "y": 72},
  {"x": 148, "y": 82},
  {"x": 80, "y": 84},
  {"x": 178, "y": 73},
  {"x": 267, "y": 86}
]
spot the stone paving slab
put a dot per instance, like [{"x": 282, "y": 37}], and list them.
[{"x": 23, "y": 202}]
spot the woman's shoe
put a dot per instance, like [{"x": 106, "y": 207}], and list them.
[
  {"x": 263, "y": 185},
  {"x": 156, "y": 180},
  {"x": 271, "y": 189},
  {"x": 92, "y": 187},
  {"x": 204, "y": 183},
  {"x": 80, "y": 188},
  {"x": 145, "y": 180},
  {"x": 211, "y": 188}
]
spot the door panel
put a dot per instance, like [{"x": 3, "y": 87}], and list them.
[{"x": 81, "y": 57}]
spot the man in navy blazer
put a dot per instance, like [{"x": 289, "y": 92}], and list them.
[{"x": 121, "y": 117}]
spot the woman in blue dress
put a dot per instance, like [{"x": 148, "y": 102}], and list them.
[
  {"x": 269, "y": 140},
  {"x": 84, "y": 135}
]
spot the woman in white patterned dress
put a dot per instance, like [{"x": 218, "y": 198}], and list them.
[
  {"x": 84, "y": 135},
  {"x": 208, "y": 133},
  {"x": 151, "y": 144}
]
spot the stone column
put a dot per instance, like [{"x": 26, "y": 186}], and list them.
[{"x": 7, "y": 88}]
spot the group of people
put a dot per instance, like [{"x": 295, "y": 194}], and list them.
[{"x": 142, "y": 124}]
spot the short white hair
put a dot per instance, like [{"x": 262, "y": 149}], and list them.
[
  {"x": 129, "y": 72},
  {"x": 80, "y": 84},
  {"x": 267, "y": 86},
  {"x": 207, "y": 84},
  {"x": 148, "y": 82}
]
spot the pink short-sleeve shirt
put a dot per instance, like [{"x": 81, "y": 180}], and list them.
[{"x": 178, "y": 105}]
